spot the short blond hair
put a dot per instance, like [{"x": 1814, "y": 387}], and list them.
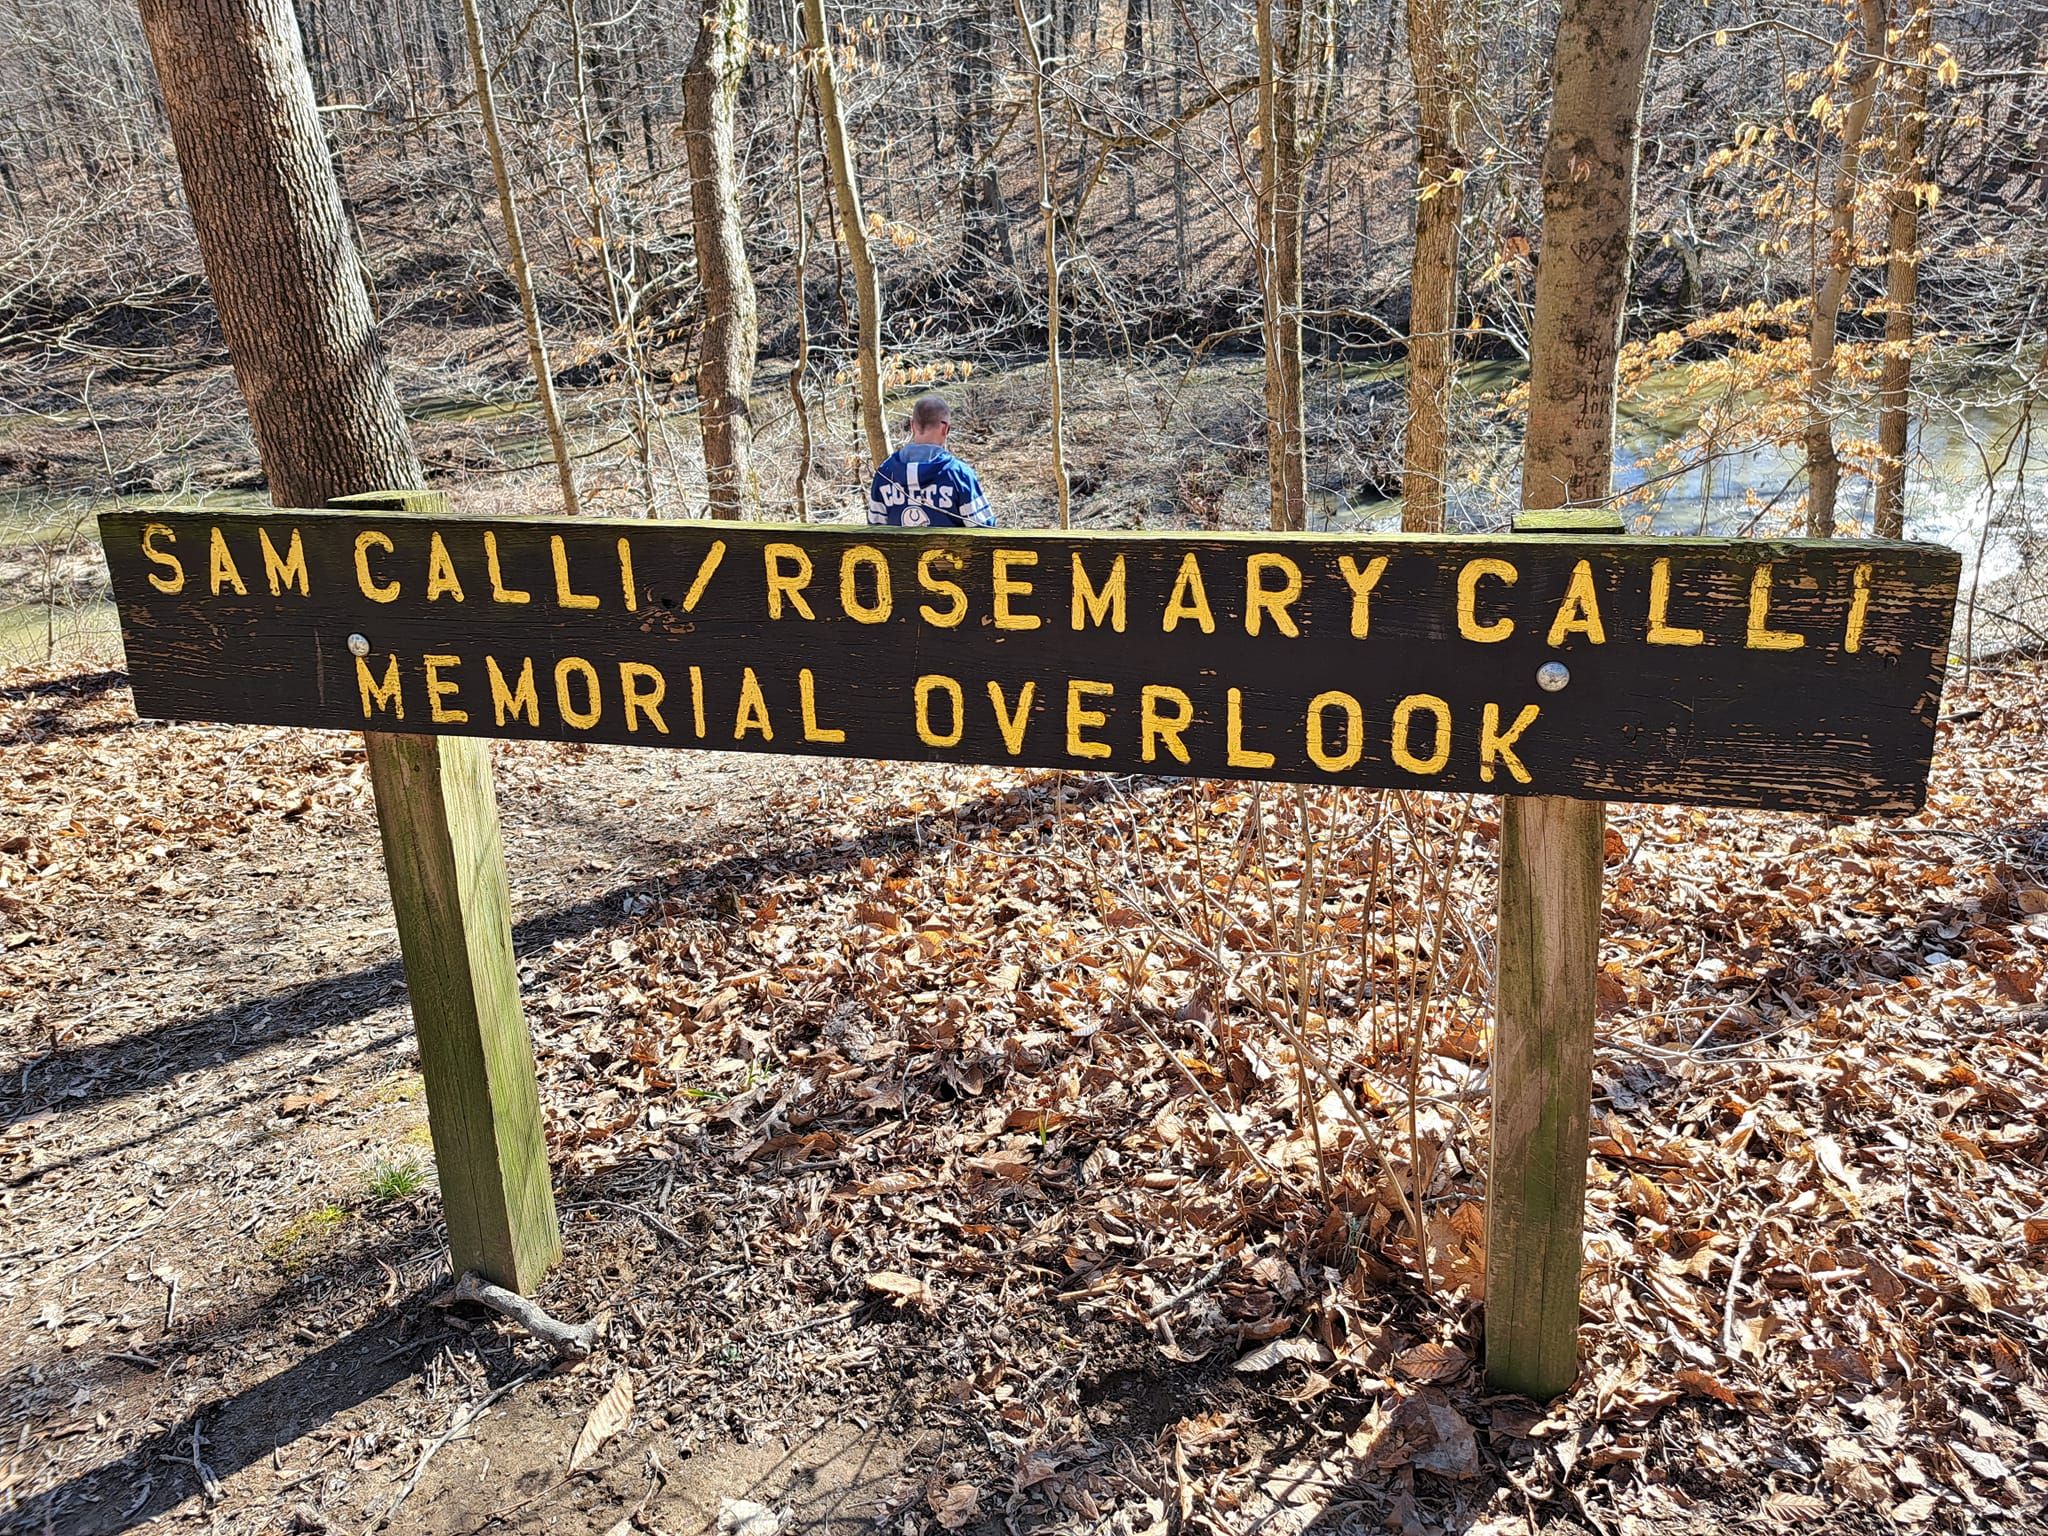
[{"x": 929, "y": 411}]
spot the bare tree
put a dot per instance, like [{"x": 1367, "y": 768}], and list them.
[
  {"x": 1861, "y": 53},
  {"x": 731, "y": 328},
  {"x": 1440, "y": 55},
  {"x": 1902, "y": 271},
  {"x": 515, "y": 256},
  {"x": 853, "y": 231}
]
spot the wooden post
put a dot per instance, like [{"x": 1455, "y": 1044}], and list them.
[
  {"x": 1552, "y": 852},
  {"x": 445, "y": 861}
]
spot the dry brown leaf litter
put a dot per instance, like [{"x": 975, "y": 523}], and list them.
[{"x": 1098, "y": 1118}]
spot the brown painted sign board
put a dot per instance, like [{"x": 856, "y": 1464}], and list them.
[{"x": 1800, "y": 675}]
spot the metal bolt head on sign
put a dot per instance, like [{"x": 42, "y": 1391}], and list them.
[{"x": 1793, "y": 674}]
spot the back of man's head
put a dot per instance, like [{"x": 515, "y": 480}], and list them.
[{"x": 930, "y": 411}]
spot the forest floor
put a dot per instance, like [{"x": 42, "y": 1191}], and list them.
[{"x": 966, "y": 1150}]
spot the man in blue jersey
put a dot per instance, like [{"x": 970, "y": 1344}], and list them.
[{"x": 921, "y": 485}]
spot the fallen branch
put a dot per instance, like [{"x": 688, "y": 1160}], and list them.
[{"x": 569, "y": 1338}]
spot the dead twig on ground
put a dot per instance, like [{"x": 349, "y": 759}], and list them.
[{"x": 568, "y": 1338}]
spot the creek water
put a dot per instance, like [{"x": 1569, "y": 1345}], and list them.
[{"x": 1977, "y": 482}]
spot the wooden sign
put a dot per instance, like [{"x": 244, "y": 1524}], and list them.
[{"x": 1795, "y": 675}]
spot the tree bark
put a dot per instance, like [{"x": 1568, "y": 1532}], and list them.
[
  {"x": 515, "y": 257},
  {"x": 1823, "y": 465},
  {"x": 1293, "y": 39},
  {"x": 1589, "y": 191},
  {"x": 731, "y": 328},
  {"x": 1035, "y": 69},
  {"x": 853, "y": 230},
  {"x": 287, "y": 282},
  {"x": 1902, "y": 277},
  {"x": 1440, "y": 56}
]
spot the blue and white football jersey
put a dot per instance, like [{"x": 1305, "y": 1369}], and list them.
[{"x": 921, "y": 485}]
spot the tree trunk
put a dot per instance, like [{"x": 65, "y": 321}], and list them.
[
  {"x": 731, "y": 329},
  {"x": 286, "y": 279},
  {"x": 853, "y": 230},
  {"x": 984, "y": 222},
  {"x": 1440, "y": 55},
  {"x": 515, "y": 256},
  {"x": 1902, "y": 277},
  {"x": 1582, "y": 274},
  {"x": 1293, "y": 37},
  {"x": 1035, "y": 70},
  {"x": 1823, "y": 466}
]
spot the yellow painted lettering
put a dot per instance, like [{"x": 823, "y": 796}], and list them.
[
  {"x": 1469, "y": 577},
  {"x": 1319, "y": 751},
  {"x": 752, "y": 714},
  {"x": 952, "y": 591},
  {"x": 1761, "y": 637},
  {"x": 1189, "y": 600},
  {"x": 1158, "y": 724},
  {"x": 628, "y": 588},
  {"x": 807, "y": 696},
  {"x": 220, "y": 566},
  {"x": 500, "y": 593},
  {"x": 850, "y": 564},
  {"x": 697, "y": 701},
  {"x": 1010, "y": 722},
  {"x": 1262, "y": 602},
  {"x": 1005, "y": 586},
  {"x": 565, "y": 595},
  {"x": 439, "y": 688},
  {"x": 1579, "y": 613},
  {"x": 441, "y": 577},
  {"x": 509, "y": 704},
  {"x": 288, "y": 569},
  {"x": 926, "y": 686},
  {"x": 638, "y": 700},
  {"x": 1361, "y": 580},
  {"x": 593, "y": 706},
  {"x": 1235, "y": 752},
  {"x": 163, "y": 559},
  {"x": 1497, "y": 743},
  {"x": 376, "y": 591},
  {"x": 709, "y": 564},
  {"x": 1093, "y": 604},
  {"x": 1859, "y": 609},
  {"x": 1661, "y": 630},
  {"x": 382, "y": 695},
  {"x": 1080, "y": 717},
  {"x": 788, "y": 584},
  {"x": 1403, "y": 749}
]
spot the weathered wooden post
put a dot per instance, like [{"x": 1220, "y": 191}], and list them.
[
  {"x": 1552, "y": 851},
  {"x": 444, "y": 858}
]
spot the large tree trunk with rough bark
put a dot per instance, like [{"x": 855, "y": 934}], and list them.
[
  {"x": 287, "y": 282},
  {"x": 1823, "y": 465},
  {"x": 853, "y": 230},
  {"x": 731, "y": 328},
  {"x": 1440, "y": 55},
  {"x": 1902, "y": 275},
  {"x": 1589, "y": 188}
]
